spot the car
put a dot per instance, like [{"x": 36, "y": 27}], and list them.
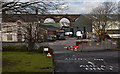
[
  {"x": 60, "y": 35},
  {"x": 79, "y": 34},
  {"x": 68, "y": 33},
  {"x": 52, "y": 37}
]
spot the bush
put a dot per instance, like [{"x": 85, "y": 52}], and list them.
[
  {"x": 40, "y": 49},
  {"x": 14, "y": 48}
]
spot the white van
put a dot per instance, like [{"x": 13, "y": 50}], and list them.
[{"x": 79, "y": 34}]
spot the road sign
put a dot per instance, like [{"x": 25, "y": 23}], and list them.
[
  {"x": 49, "y": 55},
  {"x": 45, "y": 49}
]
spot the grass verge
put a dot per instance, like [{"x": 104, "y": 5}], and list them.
[{"x": 26, "y": 62}]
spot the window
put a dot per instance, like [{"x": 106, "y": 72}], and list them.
[
  {"x": 9, "y": 37},
  {"x": 19, "y": 23}
]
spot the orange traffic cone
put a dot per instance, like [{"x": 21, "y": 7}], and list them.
[{"x": 49, "y": 55}]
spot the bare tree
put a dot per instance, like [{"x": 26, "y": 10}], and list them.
[{"x": 102, "y": 15}]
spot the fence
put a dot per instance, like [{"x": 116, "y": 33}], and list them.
[{"x": 90, "y": 46}]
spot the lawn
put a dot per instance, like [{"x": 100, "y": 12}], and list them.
[{"x": 26, "y": 62}]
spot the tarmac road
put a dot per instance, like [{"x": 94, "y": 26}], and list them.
[
  {"x": 93, "y": 61},
  {"x": 98, "y": 61}
]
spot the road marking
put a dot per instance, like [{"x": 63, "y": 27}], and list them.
[
  {"x": 98, "y": 68},
  {"x": 86, "y": 68},
  {"x": 82, "y": 65},
  {"x": 94, "y": 68},
  {"x": 66, "y": 59},
  {"x": 91, "y": 66},
  {"x": 101, "y": 68},
  {"x": 91, "y": 63},
  {"x": 75, "y": 59},
  {"x": 91, "y": 69},
  {"x": 111, "y": 67}
]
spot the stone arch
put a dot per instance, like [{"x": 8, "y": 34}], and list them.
[
  {"x": 49, "y": 20},
  {"x": 58, "y": 17},
  {"x": 64, "y": 22},
  {"x": 67, "y": 17}
]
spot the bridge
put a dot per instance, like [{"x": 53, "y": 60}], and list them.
[{"x": 39, "y": 17}]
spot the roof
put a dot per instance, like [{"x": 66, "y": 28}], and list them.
[
  {"x": 52, "y": 24},
  {"x": 49, "y": 27},
  {"x": 23, "y": 17}
]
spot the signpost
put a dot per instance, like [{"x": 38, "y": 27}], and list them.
[{"x": 45, "y": 50}]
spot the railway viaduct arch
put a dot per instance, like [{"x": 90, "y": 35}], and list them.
[{"x": 58, "y": 17}]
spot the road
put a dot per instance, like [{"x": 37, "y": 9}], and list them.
[
  {"x": 93, "y": 61},
  {"x": 102, "y": 61}
]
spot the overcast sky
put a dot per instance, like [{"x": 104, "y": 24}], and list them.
[{"x": 78, "y": 6}]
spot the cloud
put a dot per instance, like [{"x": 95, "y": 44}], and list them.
[{"x": 82, "y": 7}]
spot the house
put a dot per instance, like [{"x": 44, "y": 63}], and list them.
[{"x": 12, "y": 24}]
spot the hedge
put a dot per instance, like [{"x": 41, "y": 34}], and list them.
[{"x": 14, "y": 48}]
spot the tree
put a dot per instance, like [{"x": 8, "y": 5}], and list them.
[
  {"x": 102, "y": 15},
  {"x": 31, "y": 30}
]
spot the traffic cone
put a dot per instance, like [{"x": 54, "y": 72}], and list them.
[{"x": 49, "y": 55}]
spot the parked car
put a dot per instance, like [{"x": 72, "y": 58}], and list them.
[
  {"x": 52, "y": 37},
  {"x": 68, "y": 33},
  {"x": 61, "y": 35}
]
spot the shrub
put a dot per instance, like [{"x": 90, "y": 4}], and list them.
[
  {"x": 14, "y": 48},
  {"x": 40, "y": 49}
]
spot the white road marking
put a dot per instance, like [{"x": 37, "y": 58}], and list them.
[
  {"x": 98, "y": 68},
  {"x": 91, "y": 69},
  {"x": 111, "y": 67},
  {"x": 82, "y": 66},
  {"x": 102, "y": 68},
  {"x": 91, "y": 66},
  {"x": 66, "y": 59},
  {"x": 94, "y": 68},
  {"x": 86, "y": 68},
  {"x": 91, "y": 63}
]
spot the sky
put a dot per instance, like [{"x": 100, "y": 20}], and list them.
[
  {"x": 78, "y": 6},
  {"x": 84, "y": 7}
]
